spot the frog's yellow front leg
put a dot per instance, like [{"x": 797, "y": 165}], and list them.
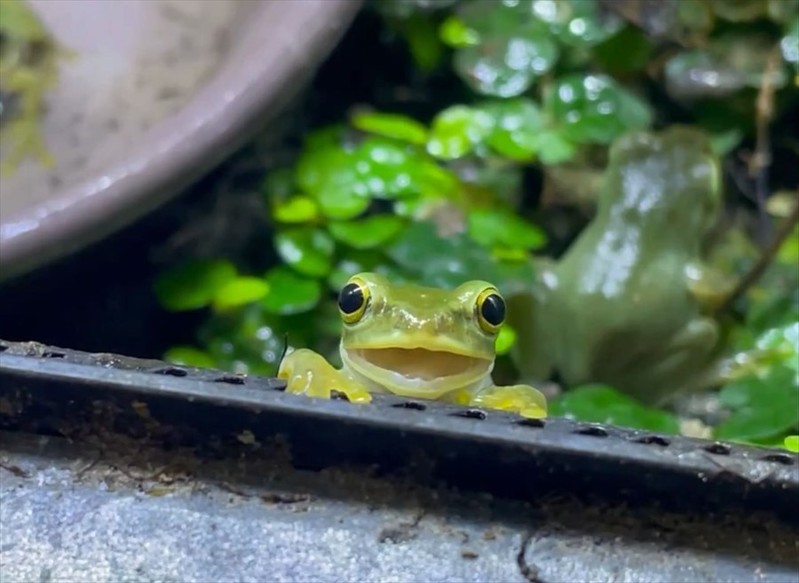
[
  {"x": 308, "y": 373},
  {"x": 522, "y": 399}
]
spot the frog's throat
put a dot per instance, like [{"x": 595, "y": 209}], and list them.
[{"x": 417, "y": 372}]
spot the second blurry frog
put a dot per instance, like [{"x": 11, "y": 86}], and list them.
[{"x": 627, "y": 304}]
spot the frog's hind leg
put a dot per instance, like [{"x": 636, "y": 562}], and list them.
[
  {"x": 308, "y": 373},
  {"x": 522, "y": 399}
]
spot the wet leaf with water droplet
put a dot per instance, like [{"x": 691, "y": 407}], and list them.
[
  {"x": 457, "y": 130},
  {"x": 728, "y": 64},
  {"x": 307, "y": 250},
  {"x": 595, "y": 108},
  {"x": 514, "y": 48},
  {"x": 518, "y": 123},
  {"x": 326, "y": 171},
  {"x": 448, "y": 262},
  {"x": 577, "y": 23}
]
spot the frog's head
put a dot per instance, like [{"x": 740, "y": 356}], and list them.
[
  {"x": 667, "y": 181},
  {"x": 418, "y": 340}
]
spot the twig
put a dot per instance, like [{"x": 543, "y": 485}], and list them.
[
  {"x": 765, "y": 259},
  {"x": 761, "y": 160},
  {"x": 283, "y": 354}
]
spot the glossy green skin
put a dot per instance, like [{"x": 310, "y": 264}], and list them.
[
  {"x": 416, "y": 342},
  {"x": 619, "y": 307},
  {"x": 27, "y": 79}
]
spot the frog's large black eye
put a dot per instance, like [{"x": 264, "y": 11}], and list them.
[
  {"x": 490, "y": 310},
  {"x": 352, "y": 301}
]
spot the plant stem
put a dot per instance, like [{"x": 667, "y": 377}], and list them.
[{"x": 765, "y": 259}]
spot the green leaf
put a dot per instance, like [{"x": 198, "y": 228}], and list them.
[
  {"x": 239, "y": 291},
  {"x": 502, "y": 228},
  {"x": 518, "y": 123},
  {"x": 456, "y": 34},
  {"x": 360, "y": 261},
  {"x": 368, "y": 232},
  {"x": 595, "y": 403},
  {"x": 297, "y": 209},
  {"x": 505, "y": 339},
  {"x": 309, "y": 251},
  {"x": 421, "y": 34},
  {"x": 792, "y": 443},
  {"x": 762, "y": 407},
  {"x": 595, "y": 109},
  {"x": 189, "y": 356},
  {"x": 553, "y": 148},
  {"x": 327, "y": 172},
  {"x": 398, "y": 127},
  {"x": 723, "y": 142},
  {"x": 457, "y": 130},
  {"x": 783, "y": 343},
  {"x": 627, "y": 51},
  {"x": 290, "y": 293},
  {"x": 514, "y": 48},
  {"x": 386, "y": 167},
  {"x": 577, "y": 23},
  {"x": 506, "y": 66},
  {"x": 448, "y": 262},
  {"x": 193, "y": 285}
]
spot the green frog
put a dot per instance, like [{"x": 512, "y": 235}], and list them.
[
  {"x": 629, "y": 303},
  {"x": 28, "y": 70},
  {"x": 417, "y": 342}
]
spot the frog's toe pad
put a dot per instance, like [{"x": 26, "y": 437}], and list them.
[
  {"x": 306, "y": 373},
  {"x": 522, "y": 399}
]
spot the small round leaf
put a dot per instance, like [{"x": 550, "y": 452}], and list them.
[
  {"x": 457, "y": 130},
  {"x": 193, "y": 285},
  {"x": 297, "y": 209},
  {"x": 501, "y": 228},
  {"x": 595, "y": 109},
  {"x": 398, "y": 127},
  {"x": 307, "y": 250},
  {"x": 239, "y": 291},
  {"x": 290, "y": 293},
  {"x": 368, "y": 232},
  {"x": 189, "y": 356}
]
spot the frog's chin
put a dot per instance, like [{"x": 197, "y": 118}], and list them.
[{"x": 417, "y": 372}]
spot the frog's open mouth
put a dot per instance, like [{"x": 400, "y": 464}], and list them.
[{"x": 420, "y": 363}]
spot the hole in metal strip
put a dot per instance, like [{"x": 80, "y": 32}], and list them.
[
  {"x": 718, "y": 449},
  {"x": 53, "y": 354},
  {"x": 410, "y": 405},
  {"x": 4, "y": 347},
  {"x": 779, "y": 458},
  {"x": 653, "y": 440},
  {"x": 230, "y": 379},
  {"x": 591, "y": 430},
  {"x": 537, "y": 423},
  {"x": 172, "y": 371},
  {"x": 471, "y": 414}
]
